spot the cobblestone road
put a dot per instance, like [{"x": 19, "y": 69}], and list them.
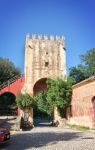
[{"x": 51, "y": 138}]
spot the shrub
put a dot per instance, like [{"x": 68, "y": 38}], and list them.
[{"x": 24, "y": 101}]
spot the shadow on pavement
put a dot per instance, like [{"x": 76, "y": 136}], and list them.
[
  {"x": 8, "y": 123},
  {"x": 28, "y": 140}
]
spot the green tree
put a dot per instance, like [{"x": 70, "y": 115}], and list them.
[
  {"x": 77, "y": 74},
  {"x": 41, "y": 106},
  {"x": 42, "y": 103},
  {"x": 84, "y": 70},
  {"x": 24, "y": 101},
  {"x": 70, "y": 80},
  {"x": 7, "y": 70},
  {"x": 88, "y": 61},
  {"x": 58, "y": 94}
]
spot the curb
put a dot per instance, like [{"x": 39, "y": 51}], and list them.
[
  {"x": 13, "y": 132},
  {"x": 2, "y": 121}
]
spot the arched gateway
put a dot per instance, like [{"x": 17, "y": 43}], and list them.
[
  {"x": 44, "y": 58},
  {"x": 40, "y": 86}
]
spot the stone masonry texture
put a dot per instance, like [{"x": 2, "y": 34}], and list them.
[{"x": 44, "y": 58}]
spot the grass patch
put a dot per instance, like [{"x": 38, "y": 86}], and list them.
[{"x": 80, "y": 128}]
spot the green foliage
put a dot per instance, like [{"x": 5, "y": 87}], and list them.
[
  {"x": 7, "y": 70},
  {"x": 85, "y": 69},
  {"x": 78, "y": 127},
  {"x": 59, "y": 93},
  {"x": 70, "y": 80},
  {"x": 42, "y": 104},
  {"x": 77, "y": 74},
  {"x": 88, "y": 61},
  {"x": 24, "y": 101}
]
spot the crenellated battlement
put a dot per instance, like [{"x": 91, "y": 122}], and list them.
[
  {"x": 45, "y": 57},
  {"x": 45, "y": 37}
]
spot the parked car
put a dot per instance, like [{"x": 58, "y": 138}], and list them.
[{"x": 4, "y": 135}]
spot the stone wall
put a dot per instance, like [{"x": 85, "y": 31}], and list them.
[
  {"x": 44, "y": 57},
  {"x": 82, "y": 108}
]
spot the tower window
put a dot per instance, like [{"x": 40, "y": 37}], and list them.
[
  {"x": 46, "y": 53},
  {"x": 46, "y": 64},
  {"x": 30, "y": 46}
]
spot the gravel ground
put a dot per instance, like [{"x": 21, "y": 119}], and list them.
[{"x": 51, "y": 138}]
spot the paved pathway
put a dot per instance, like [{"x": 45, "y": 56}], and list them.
[{"x": 51, "y": 138}]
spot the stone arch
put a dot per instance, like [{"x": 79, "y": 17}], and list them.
[
  {"x": 39, "y": 116},
  {"x": 40, "y": 86},
  {"x": 8, "y": 103},
  {"x": 93, "y": 99}
]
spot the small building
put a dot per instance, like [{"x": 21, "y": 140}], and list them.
[{"x": 83, "y": 103}]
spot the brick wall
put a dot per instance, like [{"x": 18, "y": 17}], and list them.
[{"x": 82, "y": 108}]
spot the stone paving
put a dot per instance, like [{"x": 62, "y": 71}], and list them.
[{"x": 51, "y": 138}]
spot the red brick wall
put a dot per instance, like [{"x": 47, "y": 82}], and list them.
[
  {"x": 82, "y": 108},
  {"x": 14, "y": 87}
]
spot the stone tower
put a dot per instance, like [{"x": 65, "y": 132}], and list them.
[{"x": 44, "y": 58}]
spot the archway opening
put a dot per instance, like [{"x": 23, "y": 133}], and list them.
[
  {"x": 40, "y": 86},
  {"x": 93, "y": 105},
  {"x": 41, "y": 112},
  {"x": 8, "y": 105}
]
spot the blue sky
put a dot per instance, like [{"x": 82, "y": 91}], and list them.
[{"x": 75, "y": 19}]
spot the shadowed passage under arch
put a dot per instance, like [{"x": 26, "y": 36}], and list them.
[
  {"x": 8, "y": 104},
  {"x": 41, "y": 114}
]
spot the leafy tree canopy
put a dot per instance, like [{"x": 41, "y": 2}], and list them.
[
  {"x": 85, "y": 69},
  {"x": 42, "y": 104},
  {"x": 7, "y": 70},
  {"x": 24, "y": 101},
  {"x": 77, "y": 74},
  {"x": 88, "y": 61},
  {"x": 58, "y": 94}
]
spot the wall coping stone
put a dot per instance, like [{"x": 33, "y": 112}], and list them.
[{"x": 84, "y": 82}]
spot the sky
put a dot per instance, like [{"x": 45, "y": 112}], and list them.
[{"x": 75, "y": 19}]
